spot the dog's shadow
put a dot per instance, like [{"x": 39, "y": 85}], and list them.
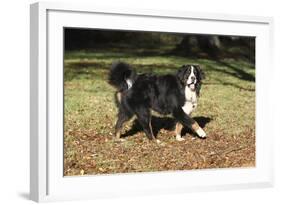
[{"x": 166, "y": 123}]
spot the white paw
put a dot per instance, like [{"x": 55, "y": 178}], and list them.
[
  {"x": 179, "y": 138},
  {"x": 201, "y": 133}
]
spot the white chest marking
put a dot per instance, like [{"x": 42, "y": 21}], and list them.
[{"x": 191, "y": 101}]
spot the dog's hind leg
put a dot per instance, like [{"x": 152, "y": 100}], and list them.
[
  {"x": 122, "y": 118},
  {"x": 144, "y": 118}
]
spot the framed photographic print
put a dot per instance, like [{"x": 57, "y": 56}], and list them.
[{"x": 129, "y": 102}]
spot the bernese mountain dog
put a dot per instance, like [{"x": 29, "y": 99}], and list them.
[{"x": 138, "y": 94}]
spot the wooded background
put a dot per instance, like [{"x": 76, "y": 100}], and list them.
[{"x": 194, "y": 45}]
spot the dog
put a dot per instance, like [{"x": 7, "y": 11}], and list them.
[{"x": 138, "y": 94}]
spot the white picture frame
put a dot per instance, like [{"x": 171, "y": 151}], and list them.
[{"x": 47, "y": 182}]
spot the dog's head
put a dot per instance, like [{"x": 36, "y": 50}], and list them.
[{"x": 191, "y": 76}]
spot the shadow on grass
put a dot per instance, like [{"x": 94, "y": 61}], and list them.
[
  {"x": 220, "y": 82},
  {"x": 238, "y": 72},
  {"x": 166, "y": 123},
  {"x": 115, "y": 51},
  {"x": 157, "y": 123},
  {"x": 91, "y": 70},
  {"x": 233, "y": 71}
]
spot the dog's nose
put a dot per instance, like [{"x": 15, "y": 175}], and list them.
[{"x": 192, "y": 78}]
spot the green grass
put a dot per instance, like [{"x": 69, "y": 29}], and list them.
[{"x": 227, "y": 100}]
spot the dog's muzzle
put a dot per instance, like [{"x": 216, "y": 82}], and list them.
[{"x": 191, "y": 86}]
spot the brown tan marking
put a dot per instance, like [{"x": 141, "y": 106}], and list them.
[
  {"x": 195, "y": 126},
  {"x": 178, "y": 129},
  {"x": 200, "y": 132}
]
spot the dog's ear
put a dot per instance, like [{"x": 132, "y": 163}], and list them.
[
  {"x": 181, "y": 74},
  {"x": 201, "y": 74}
]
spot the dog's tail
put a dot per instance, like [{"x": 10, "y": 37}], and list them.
[{"x": 121, "y": 76}]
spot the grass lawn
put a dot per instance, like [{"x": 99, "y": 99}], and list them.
[{"x": 226, "y": 110}]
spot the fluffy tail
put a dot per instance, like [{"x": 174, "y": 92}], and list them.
[{"x": 121, "y": 76}]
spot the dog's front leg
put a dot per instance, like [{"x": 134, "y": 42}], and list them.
[
  {"x": 199, "y": 131},
  {"x": 178, "y": 130},
  {"x": 186, "y": 120}
]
